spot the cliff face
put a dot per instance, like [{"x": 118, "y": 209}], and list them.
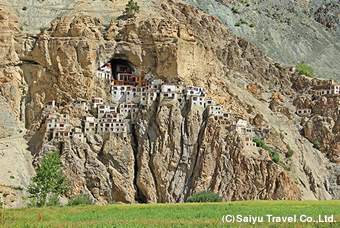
[
  {"x": 15, "y": 160},
  {"x": 173, "y": 149},
  {"x": 181, "y": 152}
]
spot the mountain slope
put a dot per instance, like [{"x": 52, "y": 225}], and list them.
[{"x": 287, "y": 31}]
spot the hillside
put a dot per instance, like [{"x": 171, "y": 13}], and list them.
[
  {"x": 167, "y": 148},
  {"x": 287, "y": 31}
]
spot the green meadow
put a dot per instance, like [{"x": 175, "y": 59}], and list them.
[{"x": 177, "y": 215}]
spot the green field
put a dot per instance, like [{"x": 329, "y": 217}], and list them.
[{"x": 175, "y": 215}]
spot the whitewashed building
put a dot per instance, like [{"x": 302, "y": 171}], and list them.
[
  {"x": 209, "y": 102},
  {"x": 112, "y": 127},
  {"x": 125, "y": 110},
  {"x": 50, "y": 106},
  {"x": 90, "y": 124},
  {"x": 78, "y": 136},
  {"x": 102, "y": 109},
  {"x": 304, "y": 111},
  {"x": 198, "y": 101},
  {"x": 103, "y": 75},
  {"x": 97, "y": 101},
  {"x": 148, "y": 97},
  {"x": 119, "y": 92},
  {"x": 168, "y": 96},
  {"x": 194, "y": 91},
  {"x": 168, "y": 87},
  {"x": 63, "y": 134},
  {"x": 215, "y": 110},
  {"x": 248, "y": 142}
]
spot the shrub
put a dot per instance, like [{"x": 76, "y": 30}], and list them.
[
  {"x": 131, "y": 8},
  {"x": 238, "y": 23},
  {"x": 250, "y": 110},
  {"x": 243, "y": 21},
  {"x": 21, "y": 28},
  {"x": 204, "y": 196},
  {"x": 276, "y": 158},
  {"x": 175, "y": 40},
  {"x": 79, "y": 200},
  {"x": 267, "y": 148},
  {"x": 251, "y": 25},
  {"x": 316, "y": 144},
  {"x": 282, "y": 136},
  {"x": 24, "y": 8},
  {"x": 289, "y": 153},
  {"x": 235, "y": 11},
  {"x": 18, "y": 188},
  {"x": 258, "y": 142},
  {"x": 302, "y": 68},
  {"x": 42, "y": 29}
]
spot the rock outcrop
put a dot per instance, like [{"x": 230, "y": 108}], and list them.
[{"x": 15, "y": 159}]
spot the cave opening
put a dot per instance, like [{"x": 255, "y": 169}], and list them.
[{"x": 121, "y": 69}]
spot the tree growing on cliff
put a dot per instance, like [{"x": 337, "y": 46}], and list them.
[
  {"x": 131, "y": 8},
  {"x": 49, "y": 180},
  {"x": 302, "y": 68}
]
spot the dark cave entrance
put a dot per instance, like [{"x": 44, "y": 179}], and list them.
[{"x": 120, "y": 66}]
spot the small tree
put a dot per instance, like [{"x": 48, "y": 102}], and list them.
[
  {"x": 49, "y": 180},
  {"x": 131, "y": 8},
  {"x": 302, "y": 68}
]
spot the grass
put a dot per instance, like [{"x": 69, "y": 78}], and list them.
[{"x": 171, "y": 215}]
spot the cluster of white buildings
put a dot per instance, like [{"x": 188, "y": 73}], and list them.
[
  {"x": 333, "y": 90},
  {"x": 128, "y": 95}
]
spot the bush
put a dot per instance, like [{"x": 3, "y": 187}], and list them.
[
  {"x": 251, "y": 25},
  {"x": 131, "y": 8},
  {"x": 243, "y": 21},
  {"x": 289, "y": 153},
  {"x": 316, "y": 144},
  {"x": 79, "y": 200},
  {"x": 258, "y": 142},
  {"x": 282, "y": 136},
  {"x": 238, "y": 23},
  {"x": 175, "y": 40},
  {"x": 302, "y": 68},
  {"x": 24, "y": 8},
  {"x": 276, "y": 158},
  {"x": 235, "y": 11},
  {"x": 204, "y": 196},
  {"x": 250, "y": 110},
  {"x": 42, "y": 29}
]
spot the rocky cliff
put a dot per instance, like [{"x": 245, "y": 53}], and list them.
[
  {"x": 173, "y": 149},
  {"x": 15, "y": 159}
]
